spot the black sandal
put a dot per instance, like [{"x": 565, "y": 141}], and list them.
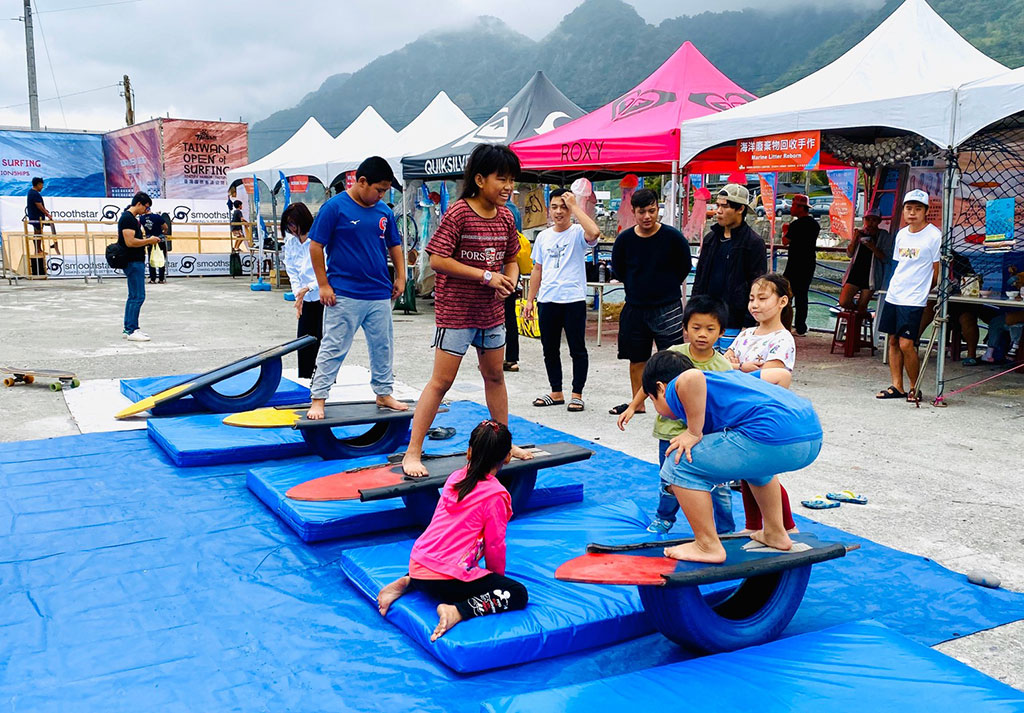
[
  {"x": 891, "y": 393},
  {"x": 575, "y": 405},
  {"x": 510, "y": 366},
  {"x": 546, "y": 400}
]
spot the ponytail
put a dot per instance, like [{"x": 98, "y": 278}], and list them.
[
  {"x": 780, "y": 286},
  {"x": 489, "y": 446}
]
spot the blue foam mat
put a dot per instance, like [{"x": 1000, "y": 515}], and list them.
[
  {"x": 204, "y": 439},
  {"x": 288, "y": 392},
  {"x": 127, "y": 583},
  {"x": 318, "y": 521},
  {"x": 846, "y": 669},
  {"x": 561, "y": 617}
]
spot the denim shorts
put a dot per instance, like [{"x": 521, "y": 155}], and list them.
[
  {"x": 729, "y": 455},
  {"x": 458, "y": 341}
]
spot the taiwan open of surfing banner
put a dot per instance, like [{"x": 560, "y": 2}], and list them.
[
  {"x": 70, "y": 164},
  {"x": 199, "y": 154}
]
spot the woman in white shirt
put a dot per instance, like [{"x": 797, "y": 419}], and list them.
[{"x": 296, "y": 221}]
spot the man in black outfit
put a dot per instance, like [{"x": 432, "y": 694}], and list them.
[
  {"x": 652, "y": 261},
  {"x": 802, "y": 238},
  {"x": 732, "y": 256},
  {"x": 35, "y": 211}
]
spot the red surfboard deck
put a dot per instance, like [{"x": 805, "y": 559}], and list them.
[
  {"x": 346, "y": 486},
  {"x": 616, "y": 569}
]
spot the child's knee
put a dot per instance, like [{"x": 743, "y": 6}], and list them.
[{"x": 492, "y": 376}]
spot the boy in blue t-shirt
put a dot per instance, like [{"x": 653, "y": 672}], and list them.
[
  {"x": 358, "y": 232},
  {"x": 738, "y": 426}
]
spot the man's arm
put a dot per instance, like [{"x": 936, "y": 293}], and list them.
[
  {"x": 42, "y": 209},
  {"x": 590, "y": 229},
  {"x": 131, "y": 241},
  {"x": 535, "y": 278},
  {"x": 316, "y": 258}
]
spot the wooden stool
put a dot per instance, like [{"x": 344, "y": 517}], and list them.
[{"x": 853, "y": 330}]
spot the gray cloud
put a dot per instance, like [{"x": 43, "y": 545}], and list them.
[{"x": 217, "y": 60}]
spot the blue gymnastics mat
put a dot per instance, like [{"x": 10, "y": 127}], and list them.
[
  {"x": 560, "y": 618},
  {"x": 127, "y": 583},
  {"x": 846, "y": 669},
  {"x": 318, "y": 521},
  {"x": 288, "y": 392},
  {"x": 203, "y": 439}
]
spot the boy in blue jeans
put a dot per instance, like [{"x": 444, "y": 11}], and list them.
[
  {"x": 704, "y": 320},
  {"x": 358, "y": 232}
]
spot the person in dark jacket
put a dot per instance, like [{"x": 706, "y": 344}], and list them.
[
  {"x": 801, "y": 237},
  {"x": 732, "y": 256}
]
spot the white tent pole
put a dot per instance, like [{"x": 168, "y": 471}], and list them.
[{"x": 674, "y": 195}]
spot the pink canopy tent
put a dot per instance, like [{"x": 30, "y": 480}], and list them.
[{"x": 639, "y": 131}]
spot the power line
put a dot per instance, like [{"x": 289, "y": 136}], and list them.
[
  {"x": 88, "y": 7},
  {"x": 49, "y": 62},
  {"x": 72, "y": 94}
]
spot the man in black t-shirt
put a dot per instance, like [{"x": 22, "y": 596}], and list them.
[
  {"x": 153, "y": 225},
  {"x": 801, "y": 237},
  {"x": 652, "y": 261},
  {"x": 35, "y": 211},
  {"x": 731, "y": 256},
  {"x": 129, "y": 235}
]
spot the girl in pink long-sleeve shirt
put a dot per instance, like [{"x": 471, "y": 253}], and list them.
[{"x": 469, "y": 522}]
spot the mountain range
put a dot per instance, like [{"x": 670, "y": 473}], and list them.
[{"x": 603, "y": 48}]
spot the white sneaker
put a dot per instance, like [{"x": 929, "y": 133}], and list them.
[
  {"x": 124, "y": 334},
  {"x": 138, "y": 336}
]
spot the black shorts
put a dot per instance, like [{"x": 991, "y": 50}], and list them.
[
  {"x": 901, "y": 321},
  {"x": 640, "y": 326}
]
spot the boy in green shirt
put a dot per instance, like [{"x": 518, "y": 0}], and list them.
[{"x": 703, "y": 322}]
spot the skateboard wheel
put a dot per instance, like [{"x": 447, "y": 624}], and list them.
[
  {"x": 28, "y": 378},
  {"x": 9, "y": 381},
  {"x": 75, "y": 383},
  {"x": 56, "y": 386}
]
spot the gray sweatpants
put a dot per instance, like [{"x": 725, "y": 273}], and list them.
[{"x": 340, "y": 324}]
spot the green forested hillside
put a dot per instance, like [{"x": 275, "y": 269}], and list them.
[{"x": 603, "y": 48}]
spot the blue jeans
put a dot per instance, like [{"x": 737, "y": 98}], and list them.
[
  {"x": 721, "y": 500},
  {"x": 136, "y": 274},
  {"x": 730, "y": 455},
  {"x": 340, "y": 324}
]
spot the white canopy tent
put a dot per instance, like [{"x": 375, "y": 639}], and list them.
[
  {"x": 367, "y": 134},
  {"x": 904, "y": 75},
  {"x": 987, "y": 101},
  {"x": 309, "y": 141},
  {"x": 440, "y": 122}
]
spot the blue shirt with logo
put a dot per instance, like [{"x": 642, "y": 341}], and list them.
[
  {"x": 356, "y": 240},
  {"x": 762, "y": 412}
]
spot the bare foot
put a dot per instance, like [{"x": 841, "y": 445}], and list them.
[
  {"x": 776, "y": 541},
  {"x": 521, "y": 453},
  {"x": 316, "y": 411},
  {"x": 413, "y": 466},
  {"x": 747, "y": 531},
  {"x": 390, "y": 593},
  {"x": 447, "y": 617},
  {"x": 389, "y": 401},
  {"x": 693, "y": 552}
]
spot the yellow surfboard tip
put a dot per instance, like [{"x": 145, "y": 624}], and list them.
[{"x": 269, "y": 417}]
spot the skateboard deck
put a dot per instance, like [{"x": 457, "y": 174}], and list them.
[
  {"x": 336, "y": 414},
  {"x": 21, "y": 375},
  {"x": 645, "y": 564},
  {"x": 380, "y": 482},
  {"x": 212, "y": 377}
]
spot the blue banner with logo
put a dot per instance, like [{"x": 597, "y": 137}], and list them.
[{"x": 69, "y": 164}]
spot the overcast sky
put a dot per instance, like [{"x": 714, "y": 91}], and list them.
[{"x": 207, "y": 59}]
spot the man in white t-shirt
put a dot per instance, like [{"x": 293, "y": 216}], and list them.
[
  {"x": 559, "y": 285},
  {"x": 917, "y": 251}
]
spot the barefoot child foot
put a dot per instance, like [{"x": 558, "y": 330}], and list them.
[
  {"x": 387, "y": 596},
  {"x": 316, "y": 411},
  {"x": 775, "y": 540},
  {"x": 412, "y": 465},
  {"x": 389, "y": 401},
  {"x": 696, "y": 552},
  {"x": 447, "y": 617}
]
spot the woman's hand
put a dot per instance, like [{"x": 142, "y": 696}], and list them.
[{"x": 683, "y": 443}]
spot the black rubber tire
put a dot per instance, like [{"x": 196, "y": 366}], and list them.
[
  {"x": 258, "y": 395},
  {"x": 383, "y": 437},
  {"x": 755, "y": 612}
]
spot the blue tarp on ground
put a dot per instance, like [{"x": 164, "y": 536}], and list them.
[
  {"x": 846, "y": 669},
  {"x": 128, "y": 584},
  {"x": 288, "y": 392}
]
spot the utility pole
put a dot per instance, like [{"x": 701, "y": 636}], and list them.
[
  {"x": 129, "y": 104},
  {"x": 30, "y": 52}
]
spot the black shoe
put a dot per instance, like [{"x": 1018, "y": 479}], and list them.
[{"x": 801, "y": 332}]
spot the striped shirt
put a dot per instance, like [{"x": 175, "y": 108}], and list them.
[{"x": 484, "y": 243}]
